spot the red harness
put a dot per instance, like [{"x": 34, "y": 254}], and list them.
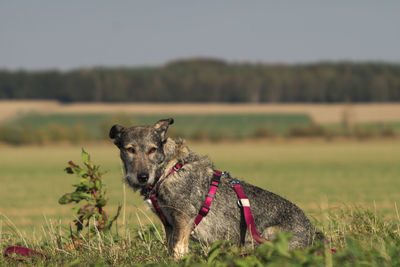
[{"x": 243, "y": 200}]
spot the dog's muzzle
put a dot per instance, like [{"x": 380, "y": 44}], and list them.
[{"x": 132, "y": 182}]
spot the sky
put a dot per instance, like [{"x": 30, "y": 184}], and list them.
[{"x": 54, "y": 34}]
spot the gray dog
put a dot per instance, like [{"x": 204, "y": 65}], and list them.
[{"x": 149, "y": 156}]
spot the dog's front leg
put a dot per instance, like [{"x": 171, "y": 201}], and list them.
[
  {"x": 168, "y": 233},
  {"x": 178, "y": 238}
]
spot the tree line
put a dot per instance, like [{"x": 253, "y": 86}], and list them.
[{"x": 210, "y": 80}]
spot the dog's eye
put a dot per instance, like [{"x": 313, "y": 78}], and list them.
[
  {"x": 152, "y": 150},
  {"x": 131, "y": 150}
]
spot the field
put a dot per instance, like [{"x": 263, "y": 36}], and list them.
[
  {"x": 320, "y": 113},
  {"x": 315, "y": 175},
  {"x": 25, "y": 123},
  {"x": 320, "y": 177},
  {"x": 348, "y": 188},
  {"x": 194, "y": 126}
]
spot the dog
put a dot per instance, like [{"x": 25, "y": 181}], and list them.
[{"x": 149, "y": 157}]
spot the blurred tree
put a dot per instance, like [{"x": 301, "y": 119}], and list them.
[{"x": 210, "y": 80}]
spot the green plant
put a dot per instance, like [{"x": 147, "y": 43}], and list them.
[{"x": 90, "y": 189}]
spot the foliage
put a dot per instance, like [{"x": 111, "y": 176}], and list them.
[
  {"x": 23, "y": 134},
  {"x": 211, "y": 80},
  {"x": 76, "y": 128},
  {"x": 357, "y": 236},
  {"x": 263, "y": 131},
  {"x": 307, "y": 131},
  {"x": 91, "y": 190}
]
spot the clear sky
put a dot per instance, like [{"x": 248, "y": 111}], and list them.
[{"x": 73, "y": 33}]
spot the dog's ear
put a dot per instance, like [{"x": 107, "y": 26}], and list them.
[
  {"x": 115, "y": 133},
  {"x": 162, "y": 126}
]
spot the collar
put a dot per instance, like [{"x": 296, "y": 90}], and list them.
[{"x": 151, "y": 189}]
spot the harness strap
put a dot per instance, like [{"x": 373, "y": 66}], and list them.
[
  {"x": 153, "y": 197},
  {"x": 209, "y": 199},
  {"x": 248, "y": 215},
  {"x": 215, "y": 181},
  {"x": 154, "y": 202},
  {"x": 22, "y": 251}
]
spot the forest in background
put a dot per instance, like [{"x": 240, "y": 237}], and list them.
[{"x": 210, "y": 80}]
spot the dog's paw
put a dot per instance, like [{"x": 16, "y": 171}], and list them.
[{"x": 180, "y": 251}]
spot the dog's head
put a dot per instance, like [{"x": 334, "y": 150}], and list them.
[{"x": 141, "y": 150}]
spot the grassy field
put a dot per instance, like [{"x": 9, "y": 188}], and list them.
[
  {"x": 370, "y": 127},
  {"x": 321, "y": 177},
  {"x": 32, "y": 122},
  {"x": 214, "y": 125},
  {"x": 320, "y": 113},
  {"x": 312, "y": 174}
]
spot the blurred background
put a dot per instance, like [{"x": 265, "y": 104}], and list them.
[{"x": 300, "y": 98}]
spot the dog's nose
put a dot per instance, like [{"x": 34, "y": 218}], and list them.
[{"x": 143, "y": 177}]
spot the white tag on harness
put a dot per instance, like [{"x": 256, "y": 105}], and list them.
[{"x": 245, "y": 202}]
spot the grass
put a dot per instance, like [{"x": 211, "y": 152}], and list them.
[
  {"x": 373, "y": 128},
  {"x": 320, "y": 113},
  {"x": 216, "y": 125},
  {"x": 311, "y": 174},
  {"x": 358, "y": 237},
  {"x": 327, "y": 180},
  {"x": 76, "y": 128}
]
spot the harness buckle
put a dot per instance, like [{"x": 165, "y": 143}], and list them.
[
  {"x": 202, "y": 212},
  {"x": 234, "y": 181},
  {"x": 178, "y": 166}
]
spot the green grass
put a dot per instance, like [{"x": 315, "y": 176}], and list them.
[
  {"x": 312, "y": 174},
  {"x": 373, "y": 128},
  {"x": 216, "y": 125},
  {"x": 359, "y": 238},
  {"x": 323, "y": 178}
]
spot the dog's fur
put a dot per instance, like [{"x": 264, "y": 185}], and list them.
[{"x": 147, "y": 153}]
